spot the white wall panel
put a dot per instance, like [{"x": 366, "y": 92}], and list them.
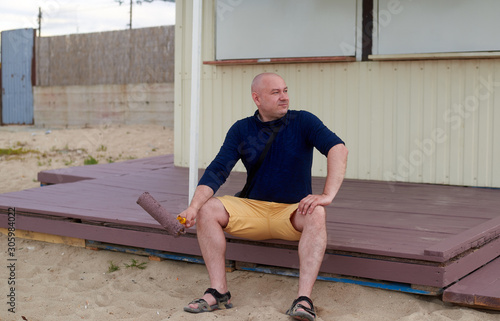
[
  {"x": 285, "y": 28},
  {"x": 427, "y": 26}
]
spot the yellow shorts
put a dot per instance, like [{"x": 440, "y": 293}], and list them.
[{"x": 259, "y": 220}]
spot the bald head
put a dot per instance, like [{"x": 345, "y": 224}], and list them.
[{"x": 261, "y": 81}]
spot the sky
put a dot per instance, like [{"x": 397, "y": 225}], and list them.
[{"x": 64, "y": 17}]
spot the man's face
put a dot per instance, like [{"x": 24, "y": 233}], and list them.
[{"x": 271, "y": 98}]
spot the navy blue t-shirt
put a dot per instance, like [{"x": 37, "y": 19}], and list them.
[{"x": 285, "y": 173}]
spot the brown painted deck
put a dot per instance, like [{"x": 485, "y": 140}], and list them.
[{"x": 416, "y": 234}]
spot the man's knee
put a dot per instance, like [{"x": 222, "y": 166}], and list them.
[
  {"x": 314, "y": 221},
  {"x": 213, "y": 209},
  {"x": 208, "y": 209},
  {"x": 318, "y": 216}
]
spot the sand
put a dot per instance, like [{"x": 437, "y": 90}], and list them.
[{"x": 62, "y": 282}]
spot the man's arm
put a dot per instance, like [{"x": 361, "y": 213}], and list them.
[
  {"x": 201, "y": 195},
  {"x": 336, "y": 166}
]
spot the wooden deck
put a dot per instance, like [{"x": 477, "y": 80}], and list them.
[{"x": 424, "y": 237}]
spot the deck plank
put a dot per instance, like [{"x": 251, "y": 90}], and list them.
[
  {"x": 470, "y": 238},
  {"x": 480, "y": 289},
  {"x": 74, "y": 174}
]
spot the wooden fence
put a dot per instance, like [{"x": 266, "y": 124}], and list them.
[{"x": 118, "y": 57}]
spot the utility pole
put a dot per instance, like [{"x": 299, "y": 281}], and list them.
[
  {"x": 130, "y": 15},
  {"x": 39, "y": 21}
]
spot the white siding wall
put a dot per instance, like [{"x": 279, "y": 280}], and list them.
[{"x": 415, "y": 121}]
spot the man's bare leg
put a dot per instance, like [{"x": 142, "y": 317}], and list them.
[
  {"x": 312, "y": 247},
  {"x": 210, "y": 221}
]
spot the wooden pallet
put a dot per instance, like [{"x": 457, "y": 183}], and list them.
[
  {"x": 268, "y": 269},
  {"x": 44, "y": 237}
]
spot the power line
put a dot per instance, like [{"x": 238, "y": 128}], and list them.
[
  {"x": 81, "y": 8},
  {"x": 138, "y": 2}
]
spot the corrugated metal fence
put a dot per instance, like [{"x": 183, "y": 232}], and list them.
[{"x": 17, "y": 90}]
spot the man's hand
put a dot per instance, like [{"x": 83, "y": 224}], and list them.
[
  {"x": 201, "y": 195},
  {"x": 190, "y": 214},
  {"x": 309, "y": 203}
]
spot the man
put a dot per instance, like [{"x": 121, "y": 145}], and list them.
[{"x": 280, "y": 203}]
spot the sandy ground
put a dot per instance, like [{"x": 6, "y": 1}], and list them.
[{"x": 61, "y": 282}]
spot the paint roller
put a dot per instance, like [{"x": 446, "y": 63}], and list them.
[{"x": 159, "y": 213}]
